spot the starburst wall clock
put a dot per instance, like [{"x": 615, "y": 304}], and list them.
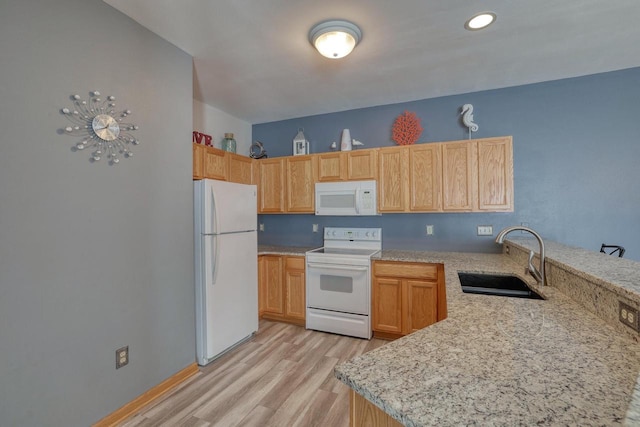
[{"x": 101, "y": 127}]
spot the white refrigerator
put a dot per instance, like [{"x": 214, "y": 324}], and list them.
[{"x": 226, "y": 266}]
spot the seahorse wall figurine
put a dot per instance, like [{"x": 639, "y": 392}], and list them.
[{"x": 467, "y": 118}]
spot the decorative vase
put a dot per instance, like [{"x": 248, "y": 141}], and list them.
[
  {"x": 228, "y": 143},
  {"x": 345, "y": 144}
]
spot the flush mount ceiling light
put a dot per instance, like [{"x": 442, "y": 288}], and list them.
[
  {"x": 480, "y": 21},
  {"x": 335, "y": 39}
]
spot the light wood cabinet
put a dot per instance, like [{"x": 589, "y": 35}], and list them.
[
  {"x": 354, "y": 165},
  {"x": 363, "y": 413},
  {"x": 294, "y": 282},
  {"x": 240, "y": 169},
  {"x": 362, "y": 165},
  {"x": 300, "y": 184},
  {"x": 406, "y": 297},
  {"x": 281, "y": 288},
  {"x": 198, "y": 161},
  {"x": 215, "y": 164},
  {"x": 392, "y": 179},
  {"x": 272, "y": 186},
  {"x": 212, "y": 163},
  {"x": 331, "y": 166},
  {"x": 409, "y": 178},
  {"x": 425, "y": 176},
  {"x": 495, "y": 174},
  {"x": 270, "y": 295},
  {"x": 459, "y": 176}
]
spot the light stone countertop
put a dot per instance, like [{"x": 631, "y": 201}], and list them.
[
  {"x": 506, "y": 361},
  {"x": 283, "y": 250},
  {"x": 620, "y": 275},
  {"x": 500, "y": 361}
]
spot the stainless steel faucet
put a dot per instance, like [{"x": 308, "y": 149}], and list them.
[{"x": 537, "y": 273}]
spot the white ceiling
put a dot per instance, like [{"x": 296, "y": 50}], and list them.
[{"x": 253, "y": 60}]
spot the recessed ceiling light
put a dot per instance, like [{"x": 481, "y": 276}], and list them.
[
  {"x": 480, "y": 21},
  {"x": 335, "y": 39}
]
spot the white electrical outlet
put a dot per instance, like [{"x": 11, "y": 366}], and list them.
[
  {"x": 261, "y": 227},
  {"x": 485, "y": 230},
  {"x": 122, "y": 357},
  {"x": 315, "y": 228},
  {"x": 429, "y": 230}
]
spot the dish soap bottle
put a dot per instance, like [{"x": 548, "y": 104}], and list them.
[{"x": 228, "y": 143}]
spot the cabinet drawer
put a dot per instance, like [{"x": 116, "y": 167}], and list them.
[
  {"x": 294, "y": 263},
  {"x": 405, "y": 270}
]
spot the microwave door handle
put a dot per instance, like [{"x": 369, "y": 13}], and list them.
[
  {"x": 336, "y": 267},
  {"x": 357, "y": 200}
]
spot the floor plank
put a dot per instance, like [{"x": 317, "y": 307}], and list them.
[{"x": 282, "y": 376}]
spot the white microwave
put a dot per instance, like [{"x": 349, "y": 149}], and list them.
[{"x": 348, "y": 198}]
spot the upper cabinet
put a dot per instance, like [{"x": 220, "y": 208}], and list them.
[
  {"x": 392, "y": 179},
  {"x": 300, "y": 178},
  {"x": 198, "y": 161},
  {"x": 409, "y": 178},
  {"x": 354, "y": 165},
  {"x": 212, "y": 163},
  {"x": 425, "y": 178},
  {"x": 474, "y": 175},
  {"x": 478, "y": 175},
  {"x": 240, "y": 169},
  {"x": 272, "y": 185},
  {"x": 495, "y": 174},
  {"x": 361, "y": 164},
  {"x": 216, "y": 165},
  {"x": 286, "y": 185},
  {"x": 459, "y": 176}
]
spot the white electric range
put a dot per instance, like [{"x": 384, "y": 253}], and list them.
[{"x": 338, "y": 281}]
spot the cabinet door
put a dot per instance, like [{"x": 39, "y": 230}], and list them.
[
  {"x": 421, "y": 304},
  {"x": 300, "y": 184},
  {"x": 331, "y": 166},
  {"x": 425, "y": 170},
  {"x": 198, "y": 161},
  {"x": 495, "y": 174},
  {"x": 361, "y": 165},
  {"x": 272, "y": 185},
  {"x": 387, "y": 305},
  {"x": 271, "y": 298},
  {"x": 295, "y": 303},
  {"x": 392, "y": 165},
  {"x": 240, "y": 169},
  {"x": 459, "y": 176},
  {"x": 215, "y": 164}
]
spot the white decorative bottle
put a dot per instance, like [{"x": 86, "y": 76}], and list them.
[{"x": 345, "y": 145}]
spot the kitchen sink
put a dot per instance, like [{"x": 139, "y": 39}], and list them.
[{"x": 490, "y": 284}]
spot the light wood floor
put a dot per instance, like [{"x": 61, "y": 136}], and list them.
[{"x": 281, "y": 377}]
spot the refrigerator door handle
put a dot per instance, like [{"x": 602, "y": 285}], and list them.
[{"x": 214, "y": 260}]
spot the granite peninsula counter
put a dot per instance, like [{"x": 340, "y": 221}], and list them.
[{"x": 500, "y": 361}]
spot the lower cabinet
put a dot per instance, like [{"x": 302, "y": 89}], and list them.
[
  {"x": 363, "y": 413},
  {"x": 281, "y": 288},
  {"x": 406, "y": 297}
]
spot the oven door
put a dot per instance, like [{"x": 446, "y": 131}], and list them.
[{"x": 338, "y": 287}]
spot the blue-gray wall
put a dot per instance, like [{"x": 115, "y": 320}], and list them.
[
  {"x": 92, "y": 257},
  {"x": 576, "y": 157}
]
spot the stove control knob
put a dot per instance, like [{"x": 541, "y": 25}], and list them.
[
  {"x": 333, "y": 233},
  {"x": 374, "y": 234},
  {"x": 367, "y": 234}
]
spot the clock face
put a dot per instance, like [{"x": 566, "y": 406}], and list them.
[{"x": 105, "y": 127}]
